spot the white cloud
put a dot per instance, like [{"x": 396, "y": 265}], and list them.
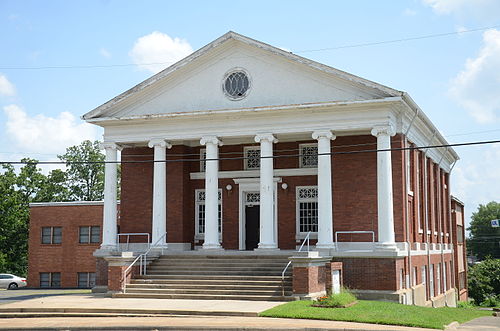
[
  {"x": 159, "y": 48},
  {"x": 462, "y": 8},
  {"x": 43, "y": 134},
  {"x": 477, "y": 87},
  {"x": 6, "y": 87},
  {"x": 472, "y": 181},
  {"x": 105, "y": 53}
]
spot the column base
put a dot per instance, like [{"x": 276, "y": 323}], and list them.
[
  {"x": 267, "y": 247},
  {"x": 212, "y": 246},
  {"x": 386, "y": 247},
  {"x": 108, "y": 247}
]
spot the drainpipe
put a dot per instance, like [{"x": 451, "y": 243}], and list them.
[
  {"x": 452, "y": 267},
  {"x": 441, "y": 233},
  {"x": 426, "y": 215},
  {"x": 408, "y": 243}
]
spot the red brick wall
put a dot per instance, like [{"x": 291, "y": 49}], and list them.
[
  {"x": 354, "y": 179},
  {"x": 370, "y": 273},
  {"x": 68, "y": 258}
]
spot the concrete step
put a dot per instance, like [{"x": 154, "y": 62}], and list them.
[
  {"x": 188, "y": 273},
  {"x": 274, "y": 292},
  {"x": 204, "y": 297},
  {"x": 201, "y": 268},
  {"x": 219, "y": 264},
  {"x": 214, "y": 282},
  {"x": 234, "y": 287},
  {"x": 225, "y": 277},
  {"x": 224, "y": 257}
]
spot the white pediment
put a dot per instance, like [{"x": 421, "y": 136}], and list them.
[{"x": 276, "y": 78}]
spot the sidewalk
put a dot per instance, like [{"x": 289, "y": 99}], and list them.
[{"x": 188, "y": 323}]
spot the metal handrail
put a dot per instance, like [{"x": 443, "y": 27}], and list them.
[
  {"x": 142, "y": 264},
  {"x": 131, "y": 234},
  {"x": 290, "y": 262}
]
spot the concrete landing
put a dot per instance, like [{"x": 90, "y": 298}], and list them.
[{"x": 92, "y": 303}]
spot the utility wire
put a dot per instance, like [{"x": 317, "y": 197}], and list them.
[
  {"x": 97, "y": 66},
  {"x": 261, "y": 157}
]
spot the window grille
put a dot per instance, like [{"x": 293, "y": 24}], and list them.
[
  {"x": 203, "y": 157},
  {"x": 252, "y": 197},
  {"x": 86, "y": 279},
  {"x": 252, "y": 158},
  {"x": 51, "y": 235},
  {"x": 307, "y": 209},
  {"x": 200, "y": 212},
  {"x": 236, "y": 85},
  {"x": 308, "y": 155}
]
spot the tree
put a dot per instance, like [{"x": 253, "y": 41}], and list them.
[
  {"x": 18, "y": 190},
  {"x": 85, "y": 181},
  {"x": 484, "y": 282},
  {"x": 484, "y": 240}
]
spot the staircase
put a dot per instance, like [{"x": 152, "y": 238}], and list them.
[{"x": 211, "y": 277}]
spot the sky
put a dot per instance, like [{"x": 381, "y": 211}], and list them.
[{"x": 61, "y": 59}]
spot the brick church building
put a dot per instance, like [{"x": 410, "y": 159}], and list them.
[{"x": 244, "y": 150}]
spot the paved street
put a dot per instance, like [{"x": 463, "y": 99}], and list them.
[{"x": 11, "y": 296}]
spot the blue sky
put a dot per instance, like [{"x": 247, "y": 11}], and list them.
[{"x": 455, "y": 79}]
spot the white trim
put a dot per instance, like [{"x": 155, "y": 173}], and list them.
[
  {"x": 298, "y": 233},
  {"x": 200, "y": 236},
  {"x": 252, "y": 185},
  {"x": 68, "y": 203},
  {"x": 301, "y": 146},
  {"x": 255, "y": 173}
]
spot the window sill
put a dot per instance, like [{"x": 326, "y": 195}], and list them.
[
  {"x": 302, "y": 236},
  {"x": 51, "y": 244},
  {"x": 420, "y": 231},
  {"x": 410, "y": 193}
]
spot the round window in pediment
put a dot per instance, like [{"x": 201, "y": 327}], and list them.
[{"x": 236, "y": 84}]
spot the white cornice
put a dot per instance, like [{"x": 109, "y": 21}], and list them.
[{"x": 66, "y": 203}]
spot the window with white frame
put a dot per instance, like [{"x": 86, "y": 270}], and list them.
[
  {"x": 203, "y": 163},
  {"x": 438, "y": 278},
  {"x": 414, "y": 280},
  {"x": 252, "y": 158},
  {"x": 308, "y": 155},
  {"x": 200, "y": 213},
  {"x": 445, "y": 278},
  {"x": 307, "y": 209},
  {"x": 423, "y": 271}
]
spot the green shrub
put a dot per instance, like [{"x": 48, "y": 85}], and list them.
[
  {"x": 484, "y": 282},
  {"x": 341, "y": 299},
  {"x": 466, "y": 305}
]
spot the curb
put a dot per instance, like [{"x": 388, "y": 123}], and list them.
[
  {"x": 452, "y": 326},
  {"x": 26, "y": 312}
]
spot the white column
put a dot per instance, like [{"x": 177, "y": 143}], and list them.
[
  {"x": 109, "y": 214},
  {"x": 159, "y": 222},
  {"x": 325, "y": 214},
  {"x": 267, "y": 238},
  {"x": 385, "y": 214},
  {"x": 212, "y": 144}
]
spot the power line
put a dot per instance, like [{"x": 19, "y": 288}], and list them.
[
  {"x": 261, "y": 157},
  {"x": 375, "y": 43}
]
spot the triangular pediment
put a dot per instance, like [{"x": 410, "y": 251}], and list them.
[{"x": 277, "y": 77}]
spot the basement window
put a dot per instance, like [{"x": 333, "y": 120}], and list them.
[{"x": 50, "y": 279}]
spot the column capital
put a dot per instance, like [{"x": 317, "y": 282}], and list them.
[
  {"x": 159, "y": 142},
  {"x": 265, "y": 136},
  {"x": 383, "y": 130},
  {"x": 214, "y": 140},
  {"x": 110, "y": 145},
  {"x": 323, "y": 134}
]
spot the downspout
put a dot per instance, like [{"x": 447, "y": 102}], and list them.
[
  {"x": 441, "y": 233},
  {"x": 427, "y": 232},
  {"x": 452, "y": 267},
  {"x": 408, "y": 243}
]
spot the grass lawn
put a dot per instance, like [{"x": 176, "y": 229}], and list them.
[{"x": 378, "y": 312}]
